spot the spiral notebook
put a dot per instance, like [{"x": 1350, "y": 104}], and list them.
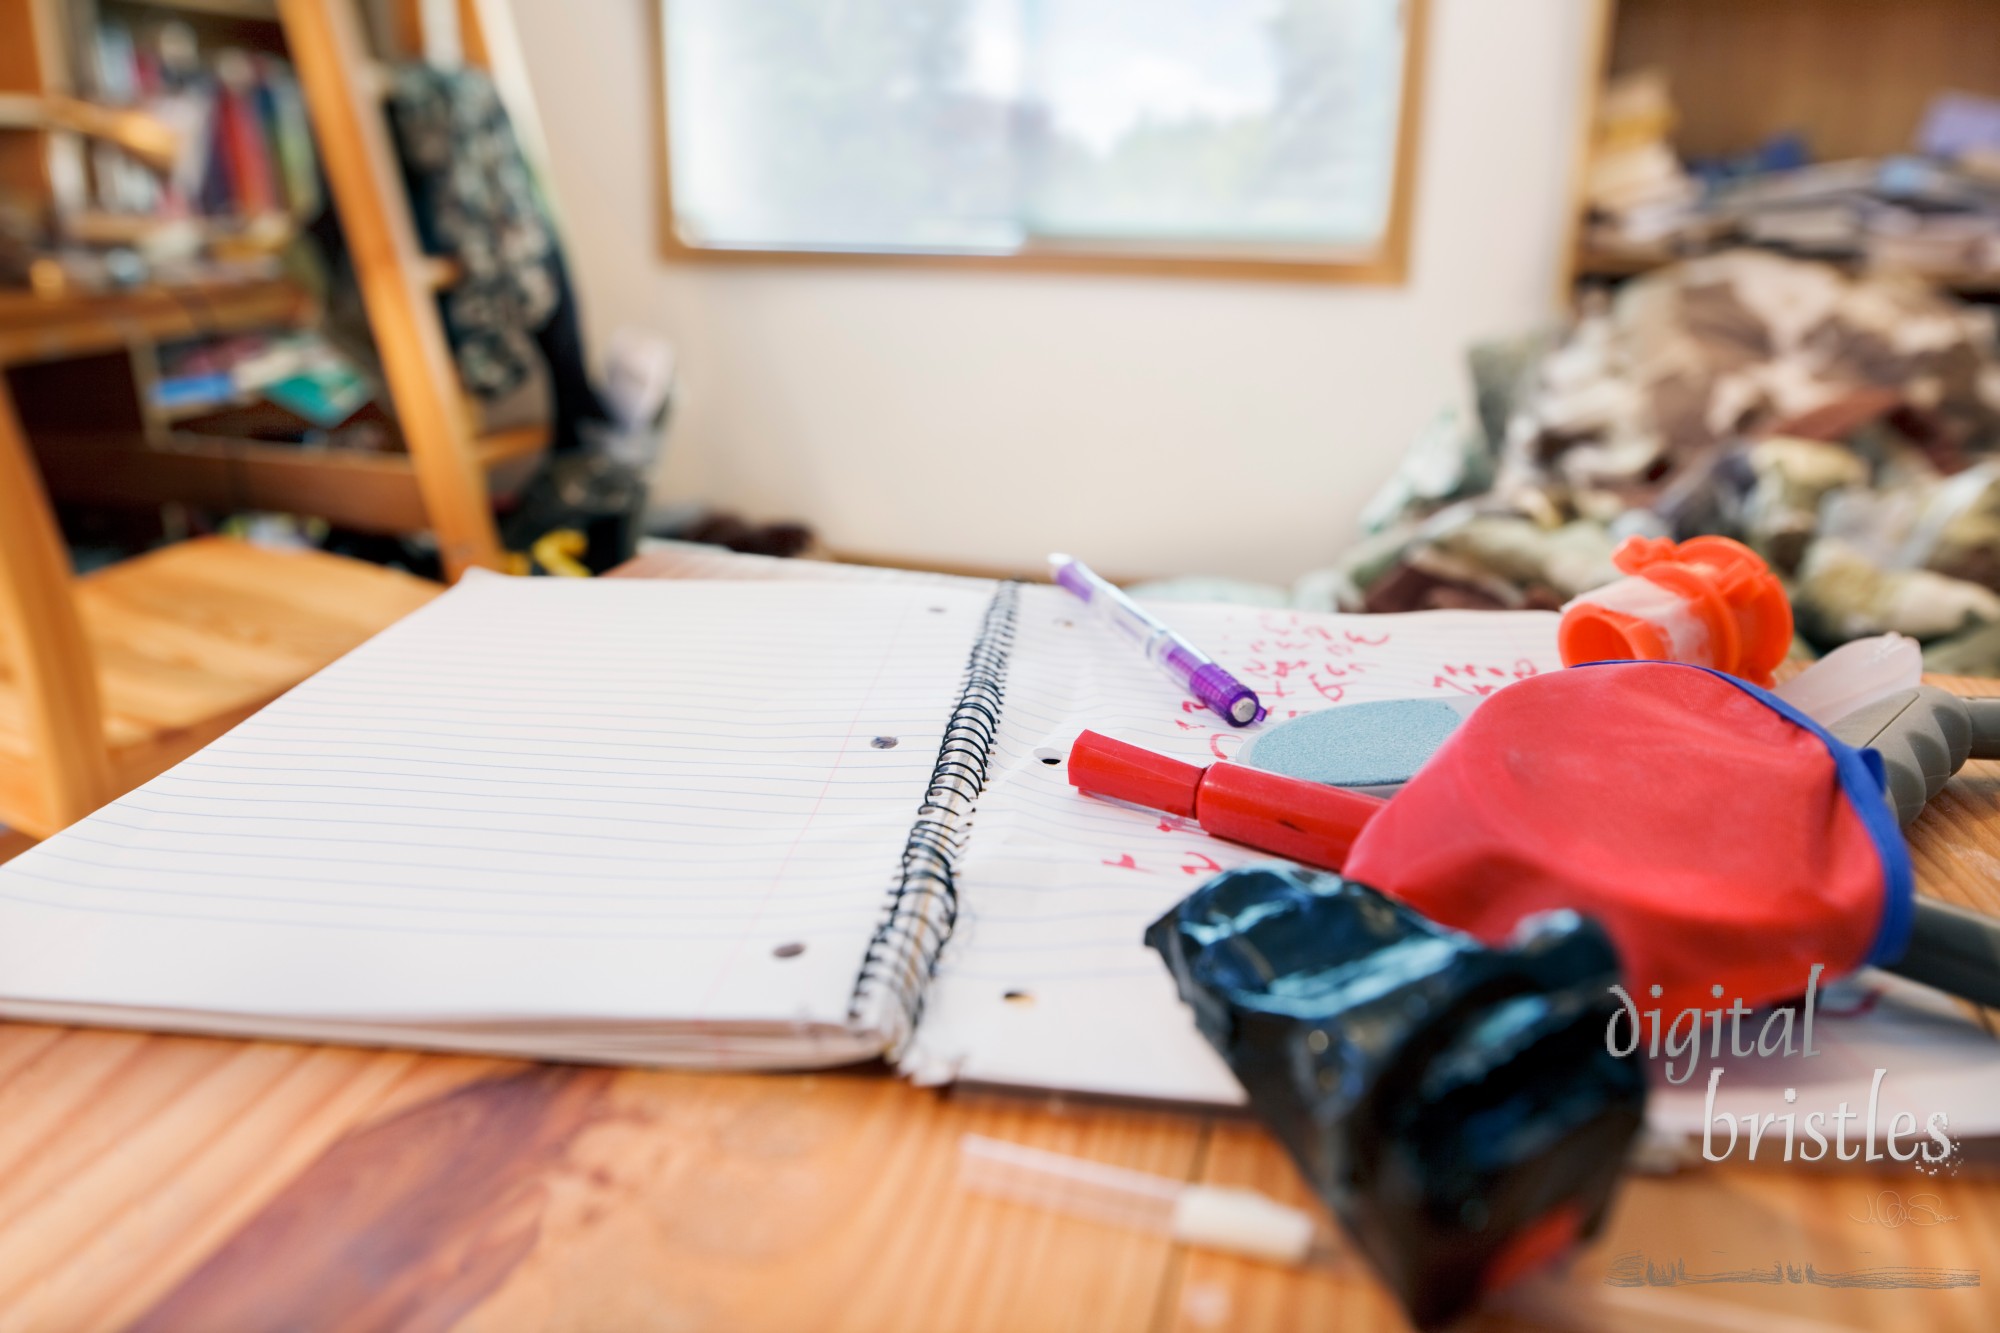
[{"x": 747, "y": 823}]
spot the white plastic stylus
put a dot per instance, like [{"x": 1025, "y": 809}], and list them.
[{"x": 1239, "y": 1221}]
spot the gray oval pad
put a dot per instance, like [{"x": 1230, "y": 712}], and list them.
[{"x": 1373, "y": 747}]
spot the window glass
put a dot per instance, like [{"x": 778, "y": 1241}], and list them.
[{"x": 995, "y": 125}]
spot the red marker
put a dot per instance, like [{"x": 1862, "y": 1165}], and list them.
[{"x": 1307, "y": 821}]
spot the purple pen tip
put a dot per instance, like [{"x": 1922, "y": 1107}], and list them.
[{"x": 1226, "y": 697}]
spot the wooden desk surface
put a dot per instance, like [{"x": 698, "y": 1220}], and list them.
[{"x": 178, "y": 1183}]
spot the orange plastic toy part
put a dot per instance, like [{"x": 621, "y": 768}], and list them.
[{"x": 1721, "y": 590}]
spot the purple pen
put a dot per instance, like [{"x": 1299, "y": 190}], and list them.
[{"x": 1225, "y": 695}]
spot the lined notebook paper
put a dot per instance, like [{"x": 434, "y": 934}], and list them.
[
  {"x": 610, "y": 819},
  {"x": 714, "y": 823}
]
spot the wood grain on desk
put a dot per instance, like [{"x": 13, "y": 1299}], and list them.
[{"x": 182, "y": 1183}]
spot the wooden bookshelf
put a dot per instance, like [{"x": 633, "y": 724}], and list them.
[
  {"x": 1853, "y": 76},
  {"x": 1605, "y": 264},
  {"x": 369, "y": 492},
  {"x": 47, "y": 328},
  {"x": 444, "y": 480},
  {"x": 261, "y": 11},
  {"x": 124, "y": 460}
]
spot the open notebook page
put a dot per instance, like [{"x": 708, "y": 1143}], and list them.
[
  {"x": 1046, "y": 982},
  {"x": 637, "y": 820}
]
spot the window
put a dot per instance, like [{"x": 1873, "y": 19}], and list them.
[{"x": 1253, "y": 133}]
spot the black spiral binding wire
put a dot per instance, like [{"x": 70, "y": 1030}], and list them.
[{"x": 923, "y": 905}]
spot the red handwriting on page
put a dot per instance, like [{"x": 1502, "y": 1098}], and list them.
[
  {"x": 1186, "y": 861},
  {"x": 1481, "y": 680}
]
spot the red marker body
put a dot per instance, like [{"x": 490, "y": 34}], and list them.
[{"x": 1311, "y": 823}]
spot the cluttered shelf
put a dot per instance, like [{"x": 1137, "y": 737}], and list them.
[
  {"x": 263, "y": 11},
  {"x": 1928, "y": 206},
  {"x": 35, "y": 327},
  {"x": 167, "y": 257},
  {"x": 370, "y": 492},
  {"x": 1610, "y": 263}
]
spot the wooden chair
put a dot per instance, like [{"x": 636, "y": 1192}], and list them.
[{"x": 107, "y": 680}]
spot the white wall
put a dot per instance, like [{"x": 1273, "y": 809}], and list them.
[{"x": 1151, "y": 425}]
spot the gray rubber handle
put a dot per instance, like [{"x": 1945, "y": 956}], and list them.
[
  {"x": 1923, "y": 735},
  {"x": 1984, "y": 714},
  {"x": 1955, "y": 950}
]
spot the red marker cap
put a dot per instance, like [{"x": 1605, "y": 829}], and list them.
[
  {"x": 1128, "y": 773},
  {"x": 1306, "y": 821}
]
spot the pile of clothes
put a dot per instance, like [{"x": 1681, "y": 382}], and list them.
[{"x": 1848, "y": 429}]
